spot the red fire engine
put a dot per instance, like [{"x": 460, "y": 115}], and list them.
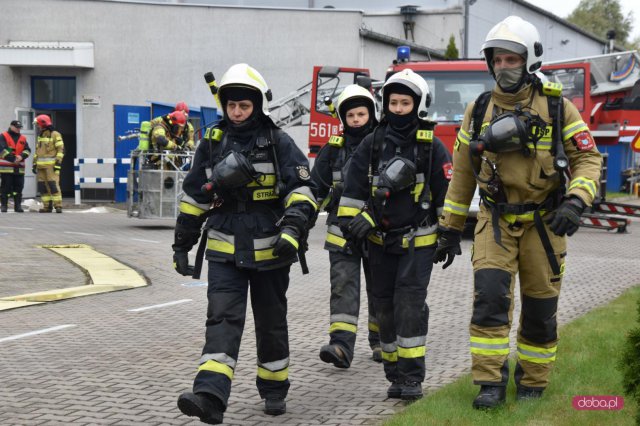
[{"x": 605, "y": 88}]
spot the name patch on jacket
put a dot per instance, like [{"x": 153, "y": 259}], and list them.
[
  {"x": 584, "y": 141},
  {"x": 303, "y": 172},
  {"x": 448, "y": 170}
]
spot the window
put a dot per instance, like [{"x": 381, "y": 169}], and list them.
[
  {"x": 332, "y": 87},
  {"x": 53, "y": 92},
  {"x": 452, "y": 91}
]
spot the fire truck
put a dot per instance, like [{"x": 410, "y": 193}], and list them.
[{"x": 604, "y": 88}]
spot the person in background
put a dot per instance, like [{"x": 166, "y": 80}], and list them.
[
  {"x": 14, "y": 149},
  {"x": 47, "y": 163}
]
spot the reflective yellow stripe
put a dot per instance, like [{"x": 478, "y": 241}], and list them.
[
  {"x": 300, "y": 198},
  {"x": 343, "y": 326},
  {"x": 456, "y": 208},
  {"x": 498, "y": 346},
  {"x": 375, "y": 238},
  {"x": 264, "y": 194},
  {"x": 290, "y": 239},
  {"x": 584, "y": 183},
  {"x": 335, "y": 240},
  {"x": 264, "y": 180},
  {"x": 266, "y": 254},
  {"x": 190, "y": 209},
  {"x": 390, "y": 356},
  {"x": 277, "y": 376},
  {"x": 217, "y": 367},
  {"x": 221, "y": 246},
  {"x": 416, "y": 352},
  {"x": 573, "y": 128},
  {"x": 348, "y": 211},
  {"x": 368, "y": 218},
  {"x": 422, "y": 240},
  {"x": 417, "y": 191},
  {"x": 536, "y": 355},
  {"x": 374, "y": 327},
  {"x": 490, "y": 340}
]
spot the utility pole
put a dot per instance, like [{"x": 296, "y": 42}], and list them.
[{"x": 467, "y": 3}]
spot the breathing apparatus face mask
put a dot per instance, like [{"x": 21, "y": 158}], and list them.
[
  {"x": 398, "y": 174},
  {"x": 233, "y": 171},
  {"x": 509, "y": 132}
]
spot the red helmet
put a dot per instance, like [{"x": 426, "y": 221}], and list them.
[
  {"x": 43, "y": 121},
  {"x": 182, "y": 106},
  {"x": 178, "y": 118}
]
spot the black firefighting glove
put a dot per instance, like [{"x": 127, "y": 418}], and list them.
[
  {"x": 34, "y": 168},
  {"x": 566, "y": 219},
  {"x": 448, "y": 246},
  {"x": 287, "y": 243},
  {"x": 162, "y": 142},
  {"x": 361, "y": 226},
  {"x": 181, "y": 263},
  {"x": 10, "y": 158}
]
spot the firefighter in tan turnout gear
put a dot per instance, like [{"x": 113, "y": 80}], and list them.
[
  {"x": 47, "y": 163},
  {"x": 537, "y": 167}
]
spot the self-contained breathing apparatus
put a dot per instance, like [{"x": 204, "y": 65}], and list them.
[
  {"x": 513, "y": 131},
  {"x": 399, "y": 173}
]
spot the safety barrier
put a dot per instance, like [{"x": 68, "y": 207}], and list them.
[{"x": 77, "y": 180}]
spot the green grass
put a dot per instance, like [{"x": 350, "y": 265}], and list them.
[
  {"x": 588, "y": 351},
  {"x": 614, "y": 195}
]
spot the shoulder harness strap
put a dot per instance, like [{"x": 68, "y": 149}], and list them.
[{"x": 478, "y": 112}]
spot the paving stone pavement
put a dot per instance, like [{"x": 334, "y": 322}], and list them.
[{"x": 116, "y": 366}]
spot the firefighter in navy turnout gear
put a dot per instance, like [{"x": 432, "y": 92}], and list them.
[
  {"x": 518, "y": 143},
  {"x": 356, "y": 111},
  {"x": 250, "y": 186},
  {"x": 14, "y": 149},
  {"x": 394, "y": 192}
]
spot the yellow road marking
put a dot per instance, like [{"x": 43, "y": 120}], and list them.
[{"x": 104, "y": 274}]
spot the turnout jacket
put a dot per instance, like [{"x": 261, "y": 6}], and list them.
[
  {"x": 49, "y": 148},
  {"x": 243, "y": 224},
  {"x": 328, "y": 174},
  {"x": 188, "y": 133},
  {"x": 527, "y": 181},
  {"x": 401, "y": 219},
  {"x": 11, "y": 145}
]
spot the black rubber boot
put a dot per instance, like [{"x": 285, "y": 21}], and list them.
[
  {"x": 17, "y": 203},
  {"x": 47, "y": 209},
  {"x": 394, "y": 391},
  {"x": 58, "y": 209},
  {"x": 376, "y": 354},
  {"x": 332, "y": 354},
  {"x": 524, "y": 393},
  {"x": 490, "y": 397},
  {"x": 207, "y": 408},
  {"x": 411, "y": 391},
  {"x": 4, "y": 200},
  {"x": 275, "y": 406}
]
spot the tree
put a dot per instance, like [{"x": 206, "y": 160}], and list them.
[
  {"x": 629, "y": 363},
  {"x": 600, "y": 16},
  {"x": 452, "y": 50}
]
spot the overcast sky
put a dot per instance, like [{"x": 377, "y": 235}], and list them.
[{"x": 563, "y": 8}]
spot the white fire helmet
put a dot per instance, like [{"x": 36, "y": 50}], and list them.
[
  {"x": 518, "y": 36},
  {"x": 354, "y": 91},
  {"x": 416, "y": 84},
  {"x": 243, "y": 75}
]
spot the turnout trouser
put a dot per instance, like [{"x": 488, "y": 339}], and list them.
[
  {"x": 494, "y": 276},
  {"x": 399, "y": 289},
  {"x": 49, "y": 185},
  {"x": 227, "y": 296},
  {"x": 11, "y": 186},
  {"x": 345, "y": 302}
]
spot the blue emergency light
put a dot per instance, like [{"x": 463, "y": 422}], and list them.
[{"x": 404, "y": 54}]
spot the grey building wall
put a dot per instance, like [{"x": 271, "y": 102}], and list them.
[{"x": 559, "y": 40}]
